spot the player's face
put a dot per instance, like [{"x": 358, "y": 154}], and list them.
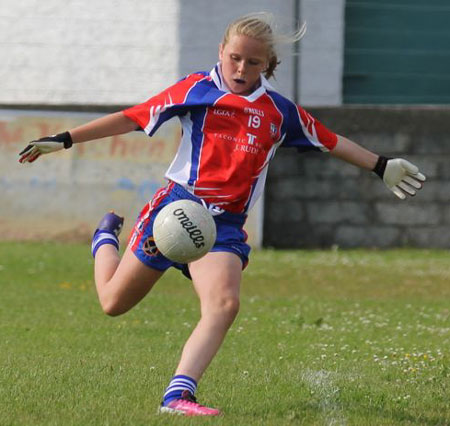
[{"x": 243, "y": 59}]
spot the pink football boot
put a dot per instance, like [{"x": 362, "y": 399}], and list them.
[{"x": 187, "y": 406}]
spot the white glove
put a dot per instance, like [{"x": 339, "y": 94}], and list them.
[
  {"x": 400, "y": 176},
  {"x": 44, "y": 146}
]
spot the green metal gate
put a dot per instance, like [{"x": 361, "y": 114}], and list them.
[{"x": 397, "y": 52}]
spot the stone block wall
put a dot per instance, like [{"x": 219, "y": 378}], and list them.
[{"x": 314, "y": 200}]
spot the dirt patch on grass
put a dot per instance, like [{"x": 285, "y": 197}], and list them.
[{"x": 80, "y": 234}]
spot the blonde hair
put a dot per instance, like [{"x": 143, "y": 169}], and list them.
[{"x": 261, "y": 26}]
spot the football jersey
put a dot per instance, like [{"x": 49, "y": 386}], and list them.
[{"x": 228, "y": 140}]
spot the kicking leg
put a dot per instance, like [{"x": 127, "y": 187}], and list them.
[{"x": 120, "y": 283}]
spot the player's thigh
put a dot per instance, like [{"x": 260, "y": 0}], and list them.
[
  {"x": 217, "y": 279},
  {"x": 132, "y": 280}
]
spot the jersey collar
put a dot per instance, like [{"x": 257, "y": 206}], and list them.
[{"x": 216, "y": 75}]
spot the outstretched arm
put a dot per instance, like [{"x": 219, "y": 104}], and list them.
[
  {"x": 400, "y": 176},
  {"x": 109, "y": 125},
  {"x": 354, "y": 154}
]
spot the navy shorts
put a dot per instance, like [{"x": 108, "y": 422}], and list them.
[{"x": 231, "y": 236}]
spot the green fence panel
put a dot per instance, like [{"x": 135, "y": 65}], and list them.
[{"x": 397, "y": 52}]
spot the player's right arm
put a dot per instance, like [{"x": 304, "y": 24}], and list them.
[
  {"x": 109, "y": 125},
  {"x": 148, "y": 116}
]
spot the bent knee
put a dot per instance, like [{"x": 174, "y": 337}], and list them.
[
  {"x": 231, "y": 306},
  {"x": 226, "y": 307},
  {"x": 113, "y": 308}
]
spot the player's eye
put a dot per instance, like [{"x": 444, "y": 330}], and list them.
[
  {"x": 235, "y": 57},
  {"x": 254, "y": 62}
]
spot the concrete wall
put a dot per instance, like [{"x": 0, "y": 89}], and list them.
[
  {"x": 314, "y": 200},
  {"x": 322, "y": 52},
  {"x": 200, "y": 37},
  {"x": 63, "y": 195},
  {"x": 104, "y": 53},
  {"x": 86, "y": 52},
  {"x": 115, "y": 53}
]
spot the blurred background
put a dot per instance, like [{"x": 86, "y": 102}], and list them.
[{"x": 376, "y": 71}]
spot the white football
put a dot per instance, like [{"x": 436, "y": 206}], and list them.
[{"x": 184, "y": 231}]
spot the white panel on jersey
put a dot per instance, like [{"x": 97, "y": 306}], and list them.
[{"x": 180, "y": 168}]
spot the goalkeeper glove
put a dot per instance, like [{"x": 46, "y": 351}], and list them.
[
  {"x": 400, "y": 176},
  {"x": 44, "y": 146}
]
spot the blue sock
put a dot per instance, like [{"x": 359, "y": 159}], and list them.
[
  {"x": 103, "y": 237},
  {"x": 176, "y": 387}
]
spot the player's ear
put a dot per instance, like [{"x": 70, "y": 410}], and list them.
[{"x": 221, "y": 46}]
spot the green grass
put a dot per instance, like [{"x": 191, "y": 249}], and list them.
[{"x": 323, "y": 337}]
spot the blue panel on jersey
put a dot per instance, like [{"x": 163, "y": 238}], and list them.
[
  {"x": 291, "y": 126},
  {"x": 197, "y": 117},
  {"x": 166, "y": 115},
  {"x": 204, "y": 93}
]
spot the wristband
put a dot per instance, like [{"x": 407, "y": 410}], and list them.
[
  {"x": 66, "y": 138},
  {"x": 380, "y": 167}
]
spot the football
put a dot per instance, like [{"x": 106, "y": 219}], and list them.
[{"x": 184, "y": 231}]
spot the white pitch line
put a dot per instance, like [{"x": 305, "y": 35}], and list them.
[{"x": 322, "y": 384}]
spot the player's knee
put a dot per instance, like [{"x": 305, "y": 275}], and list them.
[
  {"x": 111, "y": 311},
  {"x": 226, "y": 307},
  {"x": 232, "y": 306},
  {"x": 112, "y": 308}
]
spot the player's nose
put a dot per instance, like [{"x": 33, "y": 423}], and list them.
[{"x": 241, "y": 67}]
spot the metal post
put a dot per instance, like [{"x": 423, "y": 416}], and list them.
[{"x": 296, "y": 59}]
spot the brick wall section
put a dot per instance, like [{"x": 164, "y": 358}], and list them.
[{"x": 314, "y": 200}]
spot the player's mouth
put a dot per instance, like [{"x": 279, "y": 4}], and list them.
[{"x": 239, "y": 81}]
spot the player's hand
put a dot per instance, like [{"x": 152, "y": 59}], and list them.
[
  {"x": 400, "y": 176},
  {"x": 44, "y": 146}
]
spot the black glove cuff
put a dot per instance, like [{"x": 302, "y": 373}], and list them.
[
  {"x": 65, "y": 138},
  {"x": 380, "y": 167}
]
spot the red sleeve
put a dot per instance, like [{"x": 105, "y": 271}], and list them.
[
  {"x": 315, "y": 131},
  {"x": 160, "y": 108}
]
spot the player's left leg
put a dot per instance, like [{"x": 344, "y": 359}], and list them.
[{"x": 216, "y": 278}]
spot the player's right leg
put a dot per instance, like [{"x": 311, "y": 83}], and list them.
[{"x": 122, "y": 283}]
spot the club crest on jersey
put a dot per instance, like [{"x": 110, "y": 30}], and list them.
[
  {"x": 149, "y": 247},
  {"x": 273, "y": 130}
]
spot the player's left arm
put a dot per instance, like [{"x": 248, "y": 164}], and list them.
[{"x": 400, "y": 176}]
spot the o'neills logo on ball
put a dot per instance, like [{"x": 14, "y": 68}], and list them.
[{"x": 195, "y": 234}]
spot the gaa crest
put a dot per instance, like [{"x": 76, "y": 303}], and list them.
[
  {"x": 149, "y": 247},
  {"x": 273, "y": 130}
]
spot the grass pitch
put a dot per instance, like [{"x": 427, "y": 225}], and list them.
[{"x": 343, "y": 338}]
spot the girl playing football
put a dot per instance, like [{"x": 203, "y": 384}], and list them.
[{"x": 233, "y": 121}]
